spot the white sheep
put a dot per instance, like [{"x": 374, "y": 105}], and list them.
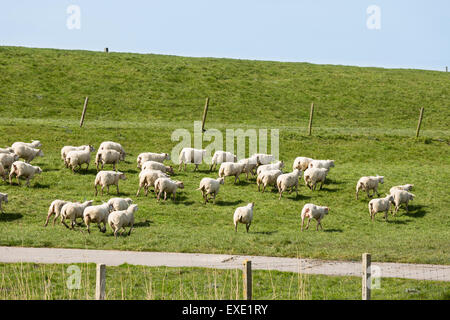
[
  {"x": 27, "y": 153},
  {"x": 250, "y": 165},
  {"x": 167, "y": 186},
  {"x": 107, "y": 156},
  {"x": 108, "y": 145},
  {"x": 221, "y": 156},
  {"x": 153, "y": 165},
  {"x": 108, "y": 178},
  {"x": 380, "y": 205},
  {"x": 24, "y": 170},
  {"x": 73, "y": 211},
  {"x": 231, "y": 169},
  {"x": 243, "y": 215},
  {"x": 97, "y": 214},
  {"x": 6, "y": 150},
  {"x": 66, "y": 149},
  {"x": 191, "y": 155},
  {"x": 369, "y": 183},
  {"x": 312, "y": 211},
  {"x": 34, "y": 144},
  {"x": 7, "y": 159},
  {"x": 77, "y": 158},
  {"x": 268, "y": 177},
  {"x": 314, "y": 175},
  {"x": 120, "y": 203},
  {"x": 326, "y": 164},
  {"x": 402, "y": 196},
  {"x": 55, "y": 209},
  {"x": 121, "y": 219},
  {"x": 209, "y": 186},
  {"x": 271, "y": 166},
  {"x": 150, "y": 156},
  {"x": 3, "y": 198},
  {"x": 147, "y": 179},
  {"x": 301, "y": 163},
  {"x": 406, "y": 187},
  {"x": 262, "y": 158},
  {"x": 288, "y": 180}
]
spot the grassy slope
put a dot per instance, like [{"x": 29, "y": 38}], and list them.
[{"x": 365, "y": 119}]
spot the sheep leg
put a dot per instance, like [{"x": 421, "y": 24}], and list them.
[
  {"x": 64, "y": 223},
  {"x": 406, "y": 206},
  {"x": 46, "y": 221},
  {"x": 307, "y": 224},
  {"x": 165, "y": 196},
  {"x": 235, "y": 227},
  {"x": 28, "y": 181},
  {"x": 247, "y": 226},
  {"x": 18, "y": 181},
  {"x": 386, "y": 215},
  {"x": 117, "y": 185},
  {"x": 211, "y": 169},
  {"x": 131, "y": 228},
  {"x": 139, "y": 189},
  {"x": 95, "y": 193},
  {"x": 174, "y": 194},
  {"x": 114, "y": 167},
  {"x": 321, "y": 184},
  {"x": 103, "y": 187},
  {"x": 196, "y": 167},
  {"x": 303, "y": 220},
  {"x": 281, "y": 192},
  {"x": 214, "y": 199}
]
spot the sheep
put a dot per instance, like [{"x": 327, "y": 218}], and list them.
[
  {"x": 167, "y": 185},
  {"x": 153, "y": 165},
  {"x": 267, "y": 177},
  {"x": 121, "y": 219},
  {"x": 55, "y": 209},
  {"x": 221, "y": 156},
  {"x": 98, "y": 214},
  {"x": 34, "y": 144},
  {"x": 288, "y": 180},
  {"x": 6, "y": 150},
  {"x": 66, "y": 149},
  {"x": 73, "y": 211},
  {"x": 191, "y": 155},
  {"x": 107, "y": 178},
  {"x": 7, "y": 159},
  {"x": 326, "y": 164},
  {"x": 77, "y": 158},
  {"x": 210, "y": 186},
  {"x": 314, "y": 175},
  {"x": 150, "y": 156},
  {"x": 401, "y": 196},
  {"x": 250, "y": 165},
  {"x": 273, "y": 166},
  {"x": 301, "y": 163},
  {"x": 243, "y": 215},
  {"x": 108, "y": 156},
  {"x": 262, "y": 158},
  {"x": 3, "y": 198},
  {"x": 120, "y": 203},
  {"x": 147, "y": 179},
  {"x": 231, "y": 169},
  {"x": 108, "y": 145},
  {"x": 406, "y": 187},
  {"x": 25, "y": 170},
  {"x": 369, "y": 183},
  {"x": 312, "y": 211},
  {"x": 379, "y": 205},
  {"x": 27, "y": 153}
]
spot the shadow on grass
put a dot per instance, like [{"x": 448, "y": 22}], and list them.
[
  {"x": 332, "y": 230},
  {"x": 265, "y": 232},
  {"x": 41, "y": 186},
  {"x": 128, "y": 171},
  {"x": 331, "y": 181},
  {"x": 84, "y": 172},
  {"x": 228, "y": 203},
  {"x": 6, "y": 217},
  {"x": 416, "y": 211},
  {"x": 325, "y": 189},
  {"x": 393, "y": 221},
  {"x": 145, "y": 223}
]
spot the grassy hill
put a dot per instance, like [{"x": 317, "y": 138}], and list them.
[{"x": 365, "y": 119}]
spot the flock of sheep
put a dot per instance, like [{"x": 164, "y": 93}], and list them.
[{"x": 118, "y": 213}]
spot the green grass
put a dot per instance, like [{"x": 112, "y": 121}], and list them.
[
  {"x": 49, "y": 281},
  {"x": 365, "y": 120}
]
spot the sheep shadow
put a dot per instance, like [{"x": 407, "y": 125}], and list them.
[
  {"x": 331, "y": 181},
  {"x": 416, "y": 211},
  {"x": 393, "y": 221},
  {"x": 268, "y": 233},
  {"x": 326, "y": 189},
  {"x": 6, "y": 217},
  {"x": 84, "y": 172},
  {"x": 131, "y": 171},
  {"x": 145, "y": 223},
  {"x": 41, "y": 186},
  {"x": 333, "y": 230},
  {"x": 222, "y": 203}
]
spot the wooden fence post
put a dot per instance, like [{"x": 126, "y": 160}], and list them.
[
  {"x": 310, "y": 119},
  {"x": 247, "y": 278},
  {"x": 366, "y": 276},
  {"x": 100, "y": 285},
  {"x": 84, "y": 111},
  {"x": 205, "y": 111},
  {"x": 420, "y": 122}
]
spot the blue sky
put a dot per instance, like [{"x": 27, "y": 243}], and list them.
[{"x": 413, "y": 34}]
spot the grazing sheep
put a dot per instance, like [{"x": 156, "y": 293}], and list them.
[
  {"x": 288, "y": 180},
  {"x": 6, "y": 150},
  {"x": 210, "y": 186},
  {"x": 34, "y": 144},
  {"x": 97, "y": 214},
  {"x": 120, "y": 203},
  {"x": 221, "y": 156},
  {"x": 73, "y": 211},
  {"x": 191, "y": 155},
  {"x": 167, "y": 185},
  {"x": 402, "y": 196},
  {"x": 369, "y": 183},
  {"x": 380, "y": 205},
  {"x": 243, "y": 215},
  {"x": 272, "y": 166},
  {"x": 108, "y": 145},
  {"x": 27, "y": 153},
  {"x": 25, "y": 170},
  {"x": 301, "y": 163},
  {"x": 314, "y": 175},
  {"x": 3, "y": 173},
  {"x": 150, "y": 156},
  {"x": 3, "y": 198},
  {"x": 312, "y": 211},
  {"x": 268, "y": 177},
  {"x": 7, "y": 159},
  {"x": 250, "y": 165},
  {"x": 326, "y": 164},
  {"x": 77, "y": 158},
  {"x": 231, "y": 169},
  {"x": 147, "y": 179},
  {"x": 66, "y": 149},
  {"x": 153, "y": 165},
  {"x": 108, "y": 156},
  {"x": 262, "y": 158},
  {"x": 108, "y": 178},
  {"x": 406, "y": 187},
  {"x": 121, "y": 219},
  {"x": 55, "y": 209}
]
